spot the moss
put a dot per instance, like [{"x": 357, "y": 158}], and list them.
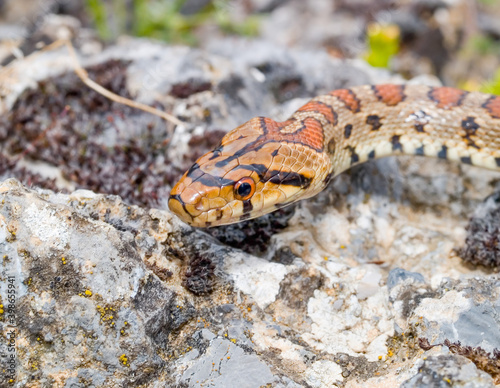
[{"x": 253, "y": 236}]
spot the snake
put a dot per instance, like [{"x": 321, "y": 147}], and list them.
[{"x": 264, "y": 165}]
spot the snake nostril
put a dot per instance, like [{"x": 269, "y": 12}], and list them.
[{"x": 199, "y": 205}]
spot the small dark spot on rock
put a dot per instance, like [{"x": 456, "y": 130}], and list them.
[
  {"x": 289, "y": 89},
  {"x": 284, "y": 256},
  {"x": 298, "y": 287}
]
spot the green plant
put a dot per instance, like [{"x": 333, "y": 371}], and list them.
[
  {"x": 493, "y": 86},
  {"x": 97, "y": 10},
  {"x": 163, "y": 19},
  {"x": 383, "y": 44}
]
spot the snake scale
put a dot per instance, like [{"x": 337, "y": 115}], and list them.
[{"x": 264, "y": 165}]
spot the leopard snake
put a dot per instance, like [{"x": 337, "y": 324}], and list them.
[{"x": 264, "y": 165}]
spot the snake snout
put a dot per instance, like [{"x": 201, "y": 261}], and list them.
[
  {"x": 177, "y": 207},
  {"x": 185, "y": 202}
]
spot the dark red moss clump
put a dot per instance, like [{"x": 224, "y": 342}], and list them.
[
  {"x": 253, "y": 236},
  {"x": 199, "y": 278},
  {"x": 482, "y": 245},
  {"x": 96, "y": 143}
]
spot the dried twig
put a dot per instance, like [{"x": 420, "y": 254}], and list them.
[{"x": 82, "y": 74}]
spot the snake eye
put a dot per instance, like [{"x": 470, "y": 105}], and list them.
[{"x": 244, "y": 188}]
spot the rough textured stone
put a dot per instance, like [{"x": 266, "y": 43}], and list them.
[
  {"x": 118, "y": 292},
  {"x": 448, "y": 370}
]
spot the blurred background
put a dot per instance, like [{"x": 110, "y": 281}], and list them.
[
  {"x": 457, "y": 40},
  {"x": 251, "y": 58}
]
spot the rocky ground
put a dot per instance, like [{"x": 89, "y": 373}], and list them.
[{"x": 381, "y": 280}]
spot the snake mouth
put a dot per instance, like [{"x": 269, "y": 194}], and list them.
[{"x": 199, "y": 220}]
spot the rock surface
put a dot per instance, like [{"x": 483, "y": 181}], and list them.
[{"x": 341, "y": 290}]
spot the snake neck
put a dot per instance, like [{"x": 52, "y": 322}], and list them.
[{"x": 368, "y": 122}]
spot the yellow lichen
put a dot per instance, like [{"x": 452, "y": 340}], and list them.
[{"x": 124, "y": 360}]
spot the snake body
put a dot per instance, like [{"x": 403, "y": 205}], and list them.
[{"x": 264, "y": 165}]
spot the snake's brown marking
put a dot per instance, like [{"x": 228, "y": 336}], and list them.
[
  {"x": 264, "y": 165},
  {"x": 374, "y": 122}
]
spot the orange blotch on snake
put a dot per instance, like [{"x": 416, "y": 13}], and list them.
[
  {"x": 270, "y": 125},
  {"x": 348, "y": 97},
  {"x": 311, "y": 134},
  {"x": 389, "y": 94},
  {"x": 320, "y": 107},
  {"x": 446, "y": 97},
  {"x": 493, "y": 106}
]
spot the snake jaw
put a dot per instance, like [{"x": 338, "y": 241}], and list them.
[
  {"x": 209, "y": 192},
  {"x": 220, "y": 206}
]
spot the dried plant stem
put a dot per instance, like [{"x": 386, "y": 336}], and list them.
[
  {"x": 82, "y": 74},
  {"x": 115, "y": 97}
]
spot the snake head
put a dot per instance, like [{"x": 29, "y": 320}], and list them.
[{"x": 252, "y": 172}]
